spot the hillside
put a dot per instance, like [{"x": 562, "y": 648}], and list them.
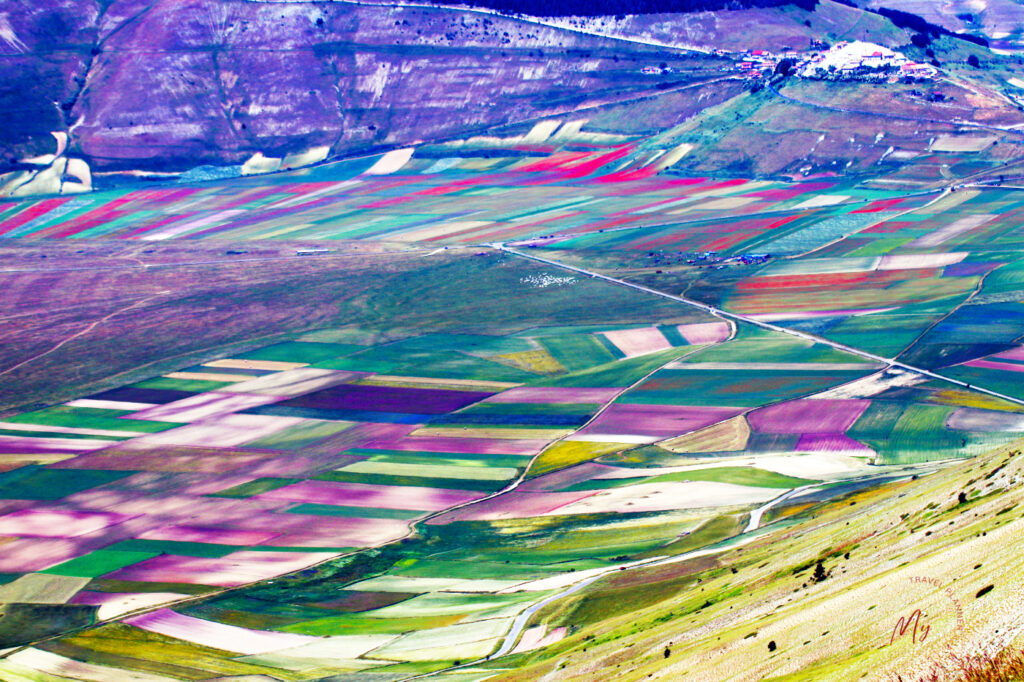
[
  {"x": 757, "y": 610},
  {"x": 998, "y": 20},
  {"x": 104, "y": 92},
  {"x": 163, "y": 85},
  {"x": 582, "y": 8}
]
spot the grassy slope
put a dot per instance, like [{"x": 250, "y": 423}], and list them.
[{"x": 911, "y": 545}]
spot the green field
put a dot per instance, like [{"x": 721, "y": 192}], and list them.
[
  {"x": 89, "y": 418},
  {"x": 736, "y": 475}
]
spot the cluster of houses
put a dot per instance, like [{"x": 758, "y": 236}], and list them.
[
  {"x": 854, "y": 60},
  {"x": 860, "y": 60},
  {"x": 701, "y": 259},
  {"x": 758, "y": 63}
]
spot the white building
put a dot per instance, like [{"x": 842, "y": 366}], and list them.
[{"x": 846, "y": 58}]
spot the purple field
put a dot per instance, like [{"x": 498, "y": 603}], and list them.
[
  {"x": 56, "y": 522},
  {"x": 229, "y": 637},
  {"x": 991, "y": 364},
  {"x": 316, "y": 531},
  {"x": 368, "y": 495},
  {"x": 808, "y": 416},
  {"x": 387, "y": 399},
  {"x": 830, "y": 442},
  {"x": 363, "y": 433},
  {"x": 132, "y": 394},
  {"x": 35, "y": 554},
  {"x": 233, "y": 569},
  {"x": 222, "y": 536},
  {"x": 661, "y": 421},
  {"x": 709, "y": 332},
  {"x": 1014, "y": 354},
  {"x": 252, "y": 523},
  {"x": 566, "y": 477},
  {"x": 193, "y": 460},
  {"x": 513, "y": 505}
]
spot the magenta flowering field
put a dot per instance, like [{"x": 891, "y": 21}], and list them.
[
  {"x": 369, "y": 495},
  {"x": 656, "y": 421},
  {"x": 808, "y": 416}
]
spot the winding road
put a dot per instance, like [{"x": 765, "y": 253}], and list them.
[{"x": 754, "y": 524}]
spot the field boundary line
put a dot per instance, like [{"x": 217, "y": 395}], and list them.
[{"x": 724, "y": 314}]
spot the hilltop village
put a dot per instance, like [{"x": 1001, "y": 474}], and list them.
[{"x": 856, "y": 60}]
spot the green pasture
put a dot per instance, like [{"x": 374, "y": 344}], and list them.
[
  {"x": 616, "y": 374},
  {"x": 754, "y": 344},
  {"x": 190, "y": 385},
  {"x": 207, "y": 550},
  {"x": 484, "y": 566},
  {"x": 88, "y": 418},
  {"x": 485, "y": 293},
  {"x": 145, "y": 651},
  {"x": 100, "y": 562},
  {"x": 733, "y": 388},
  {"x": 750, "y": 476},
  {"x": 43, "y": 433},
  {"x": 478, "y": 344},
  {"x": 367, "y": 624},
  {"x": 452, "y": 603},
  {"x": 36, "y": 483},
  {"x": 443, "y": 364},
  {"x": 438, "y": 471},
  {"x": 578, "y": 351},
  {"x": 119, "y": 586},
  {"x": 879, "y": 246},
  {"x": 531, "y": 408},
  {"x": 301, "y": 351},
  {"x": 878, "y": 421},
  {"x": 448, "y": 458},
  {"x": 255, "y": 487},
  {"x": 355, "y": 512},
  {"x": 1007, "y": 383}
]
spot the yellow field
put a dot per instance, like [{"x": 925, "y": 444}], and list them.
[
  {"x": 570, "y": 452},
  {"x": 959, "y": 398},
  {"x": 537, "y": 361}
]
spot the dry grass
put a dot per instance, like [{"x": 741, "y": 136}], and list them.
[
  {"x": 536, "y": 361},
  {"x": 1005, "y": 666}
]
